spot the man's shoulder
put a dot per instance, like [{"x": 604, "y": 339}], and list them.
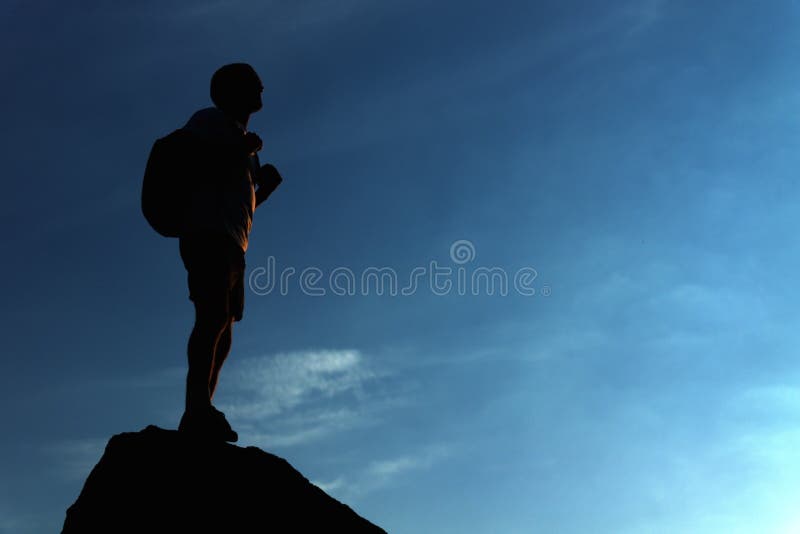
[{"x": 211, "y": 123}]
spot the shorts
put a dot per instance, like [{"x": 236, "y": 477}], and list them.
[{"x": 215, "y": 266}]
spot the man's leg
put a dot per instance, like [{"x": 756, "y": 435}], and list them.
[
  {"x": 235, "y": 310},
  {"x": 203, "y": 343},
  {"x": 223, "y": 349},
  {"x": 210, "y": 283},
  {"x": 208, "y": 328}
]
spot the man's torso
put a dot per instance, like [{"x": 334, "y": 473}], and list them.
[{"x": 227, "y": 202}]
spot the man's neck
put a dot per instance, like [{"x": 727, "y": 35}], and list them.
[{"x": 241, "y": 119}]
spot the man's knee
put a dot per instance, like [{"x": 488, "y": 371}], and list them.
[{"x": 210, "y": 319}]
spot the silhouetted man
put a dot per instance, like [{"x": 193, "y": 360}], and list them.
[{"x": 232, "y": 184}]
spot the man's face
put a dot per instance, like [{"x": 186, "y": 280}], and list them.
[
  {"x": 243, "y": 95},
  {"x": 253, "y": 97}
]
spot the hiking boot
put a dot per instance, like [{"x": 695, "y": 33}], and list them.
[
  {"x": 223, "y": 427},
  {"x": 193, "y": 423},
  {"x": 207, "y": 424}
]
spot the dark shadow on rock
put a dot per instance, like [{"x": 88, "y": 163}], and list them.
[{"x": 159, "y": 480}]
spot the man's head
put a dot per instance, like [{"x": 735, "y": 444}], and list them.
[{"x": 236, "y": 89}]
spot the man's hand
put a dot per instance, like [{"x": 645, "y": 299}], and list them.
[
  {"x": 268, "y": 180},
  {"x": 269, "y": 177},
  {"x": 252, "y": 143}
]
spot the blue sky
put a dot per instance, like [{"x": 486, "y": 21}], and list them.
[{"x": 639, "y": 155}]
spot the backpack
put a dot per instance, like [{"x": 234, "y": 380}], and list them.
[{"x": 167, "y": 181}]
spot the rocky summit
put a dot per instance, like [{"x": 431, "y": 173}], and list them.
[{"x": 160, "y": 480}]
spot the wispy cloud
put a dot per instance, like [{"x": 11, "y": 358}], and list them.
[
  {"x": 292, "y": 398},
  {"x": 295, "y": 398},
  {"x": 331, "y": 486},
  {"x": 384, "y": 472},
  {"x": 304, "y": 427},
  {"x": 271, "y": 385},
  {"x": 390, "y": 468}
]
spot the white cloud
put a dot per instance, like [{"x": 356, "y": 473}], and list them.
[
  {"x": 294, "y": 398},
  {"x": 331, "y": 486},
  {"x": 382, "y": 473},
  {"x": 303, "y": 427},
  {"x": 395, "y": 466},
  {"x": 272, "y": 385}
]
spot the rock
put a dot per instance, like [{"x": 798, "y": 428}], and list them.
[{"x": 160, "y": 480}]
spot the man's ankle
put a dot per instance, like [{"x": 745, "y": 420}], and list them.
[{"x": 198, "y": 407}]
